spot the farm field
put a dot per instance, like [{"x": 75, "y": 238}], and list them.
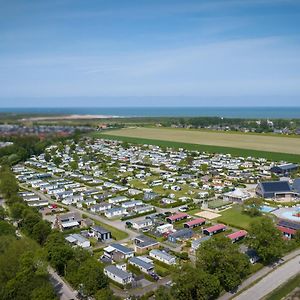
[{"x": 243, "y": 141}]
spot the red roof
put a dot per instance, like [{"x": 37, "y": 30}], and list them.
[
  {"x": 238, "y": 234},
  {"x": 286, "y": 230},
  {"x": 177, "y": 216},
  {"x": 215, "y": 228},
  {"x": 195, "y": 222}
]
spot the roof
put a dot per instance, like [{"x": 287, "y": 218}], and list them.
[
  {"x": 286, "y": 230},
  {"x": 289, "y": 224},
  {"x": 117, "y": 272},
  {"x": 182, "y": 233},
  {"x": 296, "y": 185},
  {"x": 145, "y": 241},
  {"x": 163, "y": 255},
  {"x": 69, "y": 224},
  {"x": 177, "y": 216},
  {"x": 215, "y": 228},
  {"x": 195, "y": 222},
  {"x": 288, "y": 166},
  {"x": 238, "y": 234},
  {"x": 122, "y": 248},
  {"x": 140, "y": 262},
  {"x": 275, "y": 186},
  {"x": 100, "y": 229}
]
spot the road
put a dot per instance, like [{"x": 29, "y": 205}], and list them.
[
  {"x": 263, "y": 273},
  {"x": 62, "y": 289},
  {"x": 274, "y": 279}
]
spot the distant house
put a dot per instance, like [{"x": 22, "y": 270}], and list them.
[
  {"x": 148, "y": 196},
  {"x": 284, "y": 169},
  {"x": 118, "y": 275},
  {"x": 118, "y": 252},
  {"x": 100, "y": 233},
  {"x": 100, "y": 207},
  {"x": 194, "y": 223},
  {"x": 140, "y": 263},
  {"x": 78, "y": 240},
  {"x": 177, "y": 217},
  {"x": 115, "y": 212},
  {"x": 117, "y": 200},
  {"x": 236, "y": 236},
  {"x": 138, "y": 225},
  {"x": 67, "y": 221},
  {"x": 144, "y": 243},
  {"x": 272, "y": 189},
  {"x": 236, "y": 196},
  {"x": 182, "y": 234},
  {"x": 165, "y": 228},
  {"x": 163, "y": 257},
  {"x": 214, "y": 229}
]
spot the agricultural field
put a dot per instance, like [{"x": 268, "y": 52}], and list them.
[{"x": 246, "y": 144}]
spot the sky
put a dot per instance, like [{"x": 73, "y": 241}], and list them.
[{"x": 149, "y": 52}]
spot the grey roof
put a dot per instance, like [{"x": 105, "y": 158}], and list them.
[
  {"x": 140, "y": 262},
  {"x": 145, "y": 241},
  {"x": 296, "y": 185},
  {"x": 182, "y": 233},
  {"x": 275, "y": 186},
  {"x": 117, "y": 272},
  {"x": 122, "y": 248},
  {"x": 100, "y": 229},
  {"x": 162, "y": 254}
]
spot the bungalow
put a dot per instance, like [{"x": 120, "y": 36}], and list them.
[
  {"x": 236, "y": 236},
  {"x": 118, "y": 252},
  {"x": 100, "y": 207},
  {"x": 72, "y": 199},
  {"x": 214, "y": 229},
  {"x": 143, "y": 209},
  {"x": 272, "y": 189},
  {"x": 100, "y": 233},
  {"x": 31, "y": 198},
  {"x": 177, "y": 217},
  {"x": 182, "y": 234},
  {"x": 163, "y": 256},
  {"x": 144, "y": 243},
  {"x": 148, "y": 196},
  {"x": 194, "y": 223},
  {"x": 103, "y": 196},
  {"x": 78, "y": 240},
  {"x": 165, "y": 228},
  {"x": 143, "y": 265},
  {"x": 287, "y": 232},
  {"x": 117, "y": 200},
  {"x": 138, "y": 225},
  {"x": 131, "y": 204},
  {"x": 38, "y": 203},
  {"x": 67, "y": 221},
  {"x": 115, "y": 212},
  {"x": 118, "y": 275}
]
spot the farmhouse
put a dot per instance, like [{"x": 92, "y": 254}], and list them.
[
  {"x": 214, "y": 229},
  {"x": 177, "y": 217},
  {"x": 236, "y": 236},
  {"x": 163, "y": 257},
  {"x": 194, "y": 223},
  {"x": 118, "y": 275}
]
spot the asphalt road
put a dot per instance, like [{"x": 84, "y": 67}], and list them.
[{"x": 274, "y": 279}]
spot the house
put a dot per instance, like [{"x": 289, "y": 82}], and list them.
[
  {"x": 163, "y": 256},
  {"x": 118, "y": 252},
  {"x": 177, "y": 217},
  {"x": 284, "y": 169},
  {"x": 143, "y": 209},
  {"x": 117, "y": 200},
  {"x": 78, "y": 240},
  {"x": 140, "y": 263},
  {"x": 148, "y": 196},
  {"x": 118, "y": 275},
  {"x": 67, "y": 221},
  {"x": 131, "y": 204},
  {"x": 100, "y": 207},
  {"x": 115, "y": 212},
  {"x": 138, "y": 225},
  {"x": 100, "y": 233},
  {"x": 272, "y": 189},
  {"x": 287, "y": 232},
  {"x": 214, "y": 229},
  {"x": 237, "y": 195},
  {"x": 165, "y": 228},
  {"x": 182, "y": 234},
  {"x": 38, "y": 203},
  {"x": 237, "y": 236},
  {"x": 194, "y": 223},
  {"x": 144, "y": 243}
]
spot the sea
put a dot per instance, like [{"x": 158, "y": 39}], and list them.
[{"x": 234, "y": 112}]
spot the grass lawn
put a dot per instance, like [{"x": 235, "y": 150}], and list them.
[
  {"x": 116, "y": 233},
  {"x": 285, "y": 289},
  {"x": 236, "y": 218},
  {"x": 275, "y": 153}
]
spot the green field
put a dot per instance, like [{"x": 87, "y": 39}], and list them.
[
  {"x": 236, "y": 218},
  {"x": 284, "y": 290},
  {"x": 275, "y": 156}
]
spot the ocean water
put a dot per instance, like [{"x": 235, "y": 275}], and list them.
[{"x": 236, "y": 112}]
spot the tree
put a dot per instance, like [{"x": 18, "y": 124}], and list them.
[
  {"x": 162, "y": 293},
  {"x": 2, "y": 213},
  {"x": 74, "y": 165},
  {"x": 47, "y": 156},
  {"x": 16, "y": 210},
  {"x": 218, "y": 256},
  {"x": 105, "y": 294},
  {"x": 252, "y": 206},
  {"x": 6, "y": 228},
  {"x": 266, "y": 239},
  {"x": 40, "y": 231},
  {"x": 57, "y": 160}
]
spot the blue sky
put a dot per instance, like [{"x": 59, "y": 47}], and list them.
[{"x": 149, "y": 52}]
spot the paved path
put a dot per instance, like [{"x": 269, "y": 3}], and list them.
[
  {"x": 259, "y": 275},
  {"x": 273, "y": 280},
  {"x": 62, "y": 289}
]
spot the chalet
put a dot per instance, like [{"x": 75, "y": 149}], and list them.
[
  {"x": 144, "y": 243},
  {"x": 163, "y": 256},
  {"x": 117, "y": 200},
  {"x": 143, "y": 209},
  {"x": 118, "y": 252},
  {"x": 79, "y": 240},
  {"x": 214, "y": 229},
  {"x": 237, "y": 236},
  {"x": 272, "y": 189},
  {"x": 165, "y": 228},
  {"x": 115, "y": 212},
  {"x": 144, "y": 265},
  {"x": 100, "y": 207},
  {"x": 67, "y": 221},
  {"x": 182, "y": 234},
  {"x": 177, "y": 217},
  {"x": 141, "y": 224},
  {"x": 118, "y": 275},
  {"x": 100, "y": 233},
  {"x": 194, "y": 223},
  {"x": 131, "y": 204}
]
